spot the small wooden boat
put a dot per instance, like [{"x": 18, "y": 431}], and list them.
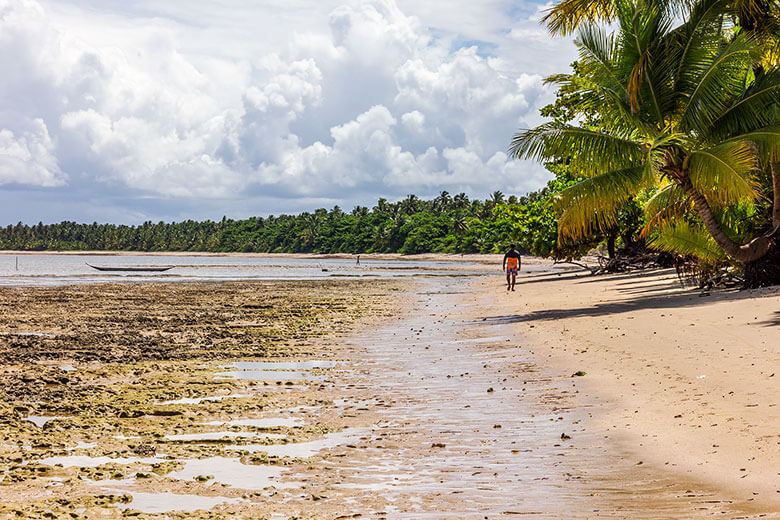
[{"x": 142, "y": 269}]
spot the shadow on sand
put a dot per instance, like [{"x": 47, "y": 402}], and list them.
[{"x": 641, "y": 289}]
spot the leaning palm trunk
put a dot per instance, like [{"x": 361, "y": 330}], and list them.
[
  {"x": 744, "y": 253},
  {"x": 776, "y": 197}
]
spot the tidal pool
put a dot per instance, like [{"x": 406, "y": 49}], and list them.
[
  {"x": 197, "y": 400},
  {"x": 212, "y": 436},
  {"x": 269, "y": 422},
  {"x": 40, "y": 420},
  {"x": 230, "y": 472},
  {"x": 84, "y": 461},
  {"x": 282, "y": 365},
  {"x": 267, "y": 375},
  {"x": 303, "y": 450},
  {"x": 166, "y": 502}
]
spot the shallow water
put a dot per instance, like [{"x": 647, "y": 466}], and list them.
[
  {"x": 49, "y": 269},
  {"x": 211, "y": 436},
  {"x": 230, "y": 472},
  {"x": 84, "y": 461},
  {"x": 166, "y": 502},
  {"x": 270, "y": 422},
  {"x": 84, "y": 445},
  {"x": 303, "y": 450},
  {"x": 267, "y": 375},
  {"x": 282, "y": 365},
  {"x": 471, "y": 428},
  {"x": 198, "y": 400},
  {"x": 41, "y": 420}
]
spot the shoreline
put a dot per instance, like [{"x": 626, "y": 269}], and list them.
[
  {"x": 450, "y": 257},
  {"x": 487, "y": 259}
]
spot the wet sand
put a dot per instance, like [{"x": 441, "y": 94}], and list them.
[{"x": 450, "y": 398}]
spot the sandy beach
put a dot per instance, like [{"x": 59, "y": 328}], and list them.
[
  {"x": 683, "y": 382},
  {"x": 430, "y": 397}
]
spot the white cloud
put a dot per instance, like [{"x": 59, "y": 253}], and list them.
[
  {"x": 324, "y": 101},
  {"x": 26, "y": 158},
  {"x": 414, "y": 121}
]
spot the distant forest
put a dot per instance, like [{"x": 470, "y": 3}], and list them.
[{"x": 451, "y": 224}]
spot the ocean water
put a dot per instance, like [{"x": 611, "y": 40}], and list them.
[{"x": 52, "y": 269}]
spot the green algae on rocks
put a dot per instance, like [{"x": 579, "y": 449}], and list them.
[{"x": 97, "y": 378}]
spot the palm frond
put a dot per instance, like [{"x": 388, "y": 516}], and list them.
[
  {"x": 595, "y": 97},
  {"x": 591, "y": 203},
  {"x": 643, "y": 26},
  {"x": 589, "y": 150},
  {"x": 724, "y": 174},
  {"x": 766, "y": 141},
  {"x": 756, "y": 108},
  {"x": 597, "y": 50},
  {"x": 665, "y": 207},
  {"x": 568, "y": 15},
  {"x": 692, "y": 41},
  {"x": 713, "y": 80},
  {"x": 682, "y": 238}
]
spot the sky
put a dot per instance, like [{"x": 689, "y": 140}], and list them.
[{"x": 123, "y": 112}]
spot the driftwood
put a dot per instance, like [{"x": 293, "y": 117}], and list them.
[
  {"x": 691, "y": 274},
  {"x": 624, "y": 263}
]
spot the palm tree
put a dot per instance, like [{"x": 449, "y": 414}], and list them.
[
  {"x": 460, "y": 201},
  {"x": 410, "y": 205},
  {"x": 311, "y": 229},
  {"x": 681, "y": 110},
  {"x": 761, "y": 16},
  {"x": 442, "y": 202},
  {"x": 381, "y": 205},
  {"x": 460, "y": 224},
  {"x": 381, "y": 235},
  {"x": 496, "y": 198}
]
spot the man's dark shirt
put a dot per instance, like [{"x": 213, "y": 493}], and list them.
[{"x": 512, "y": 253}]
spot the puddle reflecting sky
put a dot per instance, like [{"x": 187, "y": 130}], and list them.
[
  {"x": 304, "y": 449},
  {"x": 268, "y": 422},
  {"x": 230, "y": 472},
  {"x": 40, "y": 420},
  {"x": 210, "y": 436},
  {"x": 165, "y": 502},
  {"x": 267, "y": 375},
  {"x": 91, "y": 462},
  {"x": 197, "y": 400},
  {"x": 282, "y": 365}
]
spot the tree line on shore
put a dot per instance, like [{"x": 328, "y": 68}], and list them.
[{"x": 451, "y": 224}]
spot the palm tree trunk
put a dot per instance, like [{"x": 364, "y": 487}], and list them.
[
  {"x": 611, "y": 243},
  {"x": 749, "y": 252},
  {"x": 776, "y": 197}
]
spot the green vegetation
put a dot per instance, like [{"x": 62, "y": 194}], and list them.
[
  {"x": 452, "y": 224},
  {"x": 677, "y": 109}
]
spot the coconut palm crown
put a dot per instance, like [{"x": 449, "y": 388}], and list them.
[{"x": 682, "y": 110}]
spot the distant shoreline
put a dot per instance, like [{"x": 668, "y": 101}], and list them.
[{"x": 435, "y": 257}]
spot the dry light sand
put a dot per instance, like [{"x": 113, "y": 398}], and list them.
[{"x": 688, "y": 384}]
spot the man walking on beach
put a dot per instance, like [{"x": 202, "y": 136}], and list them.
[{"x": 512, "y": 265}]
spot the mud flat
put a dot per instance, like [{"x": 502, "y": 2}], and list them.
[
  {"x": 442, "y": 397},
  {"x": 124, "y": 399}
]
